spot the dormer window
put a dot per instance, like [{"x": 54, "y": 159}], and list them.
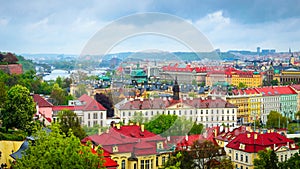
[
  {"x": 242, "y": 146},
  {"x": 115, "y": 149}
]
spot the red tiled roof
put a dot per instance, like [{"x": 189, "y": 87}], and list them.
[
  {"x": 228, "y": 136},
  {"x": 127, "y": 139},
  {"x": 296, "y": 87},
  {"x": 91, "y": 104},
  {"x": 263, "y": 141},
  {"x": 275, "y": 90},
  {"x": 41, "y": 102}
]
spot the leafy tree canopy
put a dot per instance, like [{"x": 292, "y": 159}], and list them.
[
  {"x": 19, "y": 108},
  {"x": 69, "y": 120},
  {"x": 56, "y": 150},
  {"x": 274, "y": 118},
  {"x": 266, "y": 159}
]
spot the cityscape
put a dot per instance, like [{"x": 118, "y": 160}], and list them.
[{"x": 152, "y": 88}]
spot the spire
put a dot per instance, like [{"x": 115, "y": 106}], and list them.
[{"x": 176, "y": 90}]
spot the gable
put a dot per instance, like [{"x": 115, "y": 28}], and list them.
[{"x": 180, "y": 106}]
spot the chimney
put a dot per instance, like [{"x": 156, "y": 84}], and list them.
[
  {"x": 168, "y": 138},
  {"x": 255, "y": 136},
  {"x": 130, "y": 123},
  {"x": 99, "y": 131},
  {"x": 186, "y": 137},
  {"x": 142, "y": 128},
  {"x": 137, "y": 123},
  {"x": 118, "y": 126},
  {"x": 288, "y": 144}
]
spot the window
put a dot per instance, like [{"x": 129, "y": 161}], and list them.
[
  {"x": 129, "y": 113},
  {"x": 236, "y": 156},
  {"x": 242, "y": 157},
  {"x": 163, "y": 160},
  {"x": 191, "y": 112},
  {"x": 95, "y": 123},
  {"x": 89, "y": 116},
  {"x": 123, "y": 113},
  {"x": 246, "y": 159},
  {"x": 281, "y": 158},
  {"x": 101, "y": 115},
  {"x": 123, "y": 164},
  {"x": 89, "y": 124},
  {"x": 95, "y": 115},
  {"x": 142, "y": 164},
  {"x": 206, "y": 111},
  {"x": 156, "y": 160},
  {"x": 146, "y": 113},
  {"x": 285, "y": 157},
  {"x": 147, "y": 164},
  {"x": 201, "y": 111}
]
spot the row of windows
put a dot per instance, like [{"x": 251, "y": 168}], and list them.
[
  {"x": 181, "y": 113},
  {"x": 89, "y": 123},
  {"x": 95, "y": 115},
  {"x": 216, "y": 118},
  {"x": 241, "y": 158}
]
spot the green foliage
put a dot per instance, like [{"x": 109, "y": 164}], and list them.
[
  {"x": 94, "y": 130},
  {"x": 266, "y": 159},
  {"x": 69, "y": 120},
  {"x": 3, "y": 95},
  {"x": 196, "y": 129},
  {"x": 19, "y": 108},
  {"x": 169, "y": 125},
  {"x": 292, "y": 162},
  {"x": 274, "y": 118},
  {"x": 15, "y": 135},
  {"x": 58, "y": 95},
  {"x": 27, "y": 65},
  {"x": 198, "y": 156},
  {"x": 138, "y": 117},
  {"x": 241, "y": 85},
  {"x": 55, "y": 150}
]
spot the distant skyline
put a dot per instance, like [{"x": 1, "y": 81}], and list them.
[{"x": 40, "y": 26}]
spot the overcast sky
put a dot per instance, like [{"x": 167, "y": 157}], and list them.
[{"x": 43, "y": 26}]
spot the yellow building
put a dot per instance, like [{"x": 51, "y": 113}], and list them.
[
  {"x": 250, "y": 79},
  {"x": 6, "y": 149},
  {"x": 243, "y": 149},
  {"x": 248, "y": 102},
  {"x": 132, "y": 147}
]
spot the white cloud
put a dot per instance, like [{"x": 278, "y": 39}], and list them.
[{"x": 224, "y": 33}]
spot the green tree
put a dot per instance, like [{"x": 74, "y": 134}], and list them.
[
  {"x": 196, "y": 129},
  {"x": 138, "y": 117},
  {"x": 19, "y": 108},
  {"x": 204, "y": 153},
  {"x": 241, "y": 85},
  {"x": 59, "y": 81},
  {"x": 292, "y": 162},
  {"x": 58, "y": 95},
  {"x": 274, "y": 118},
  {"x": 3, "y": 95},
  {"x": 169, "y": 125},
  {"x": 297, "y": 115},
  {"x": 69, "y": 120},
  {"x": 179, "y": 160},
  {"x": 266, "y": 159},
  {"x": 81, "y": 89},
  {"x": 55, "y": 150}
]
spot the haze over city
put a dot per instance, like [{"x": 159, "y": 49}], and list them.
[{"x": 66, "y": 26}]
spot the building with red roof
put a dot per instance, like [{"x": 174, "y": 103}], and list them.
[
  {"x": 282, "y": 99},
  {"x": 132, "y": 146},
  {"x": 12, "y": 68},
  {"x": 208, "y": 111},
  {"x": 88, "y": 110},
  {"x": 243, "y": 148},
  {"x": 43, "y": 107}
]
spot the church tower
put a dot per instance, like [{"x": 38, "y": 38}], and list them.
[
  {"x": 292, "y": 58},
  {"x": 176, "y": 90}
]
